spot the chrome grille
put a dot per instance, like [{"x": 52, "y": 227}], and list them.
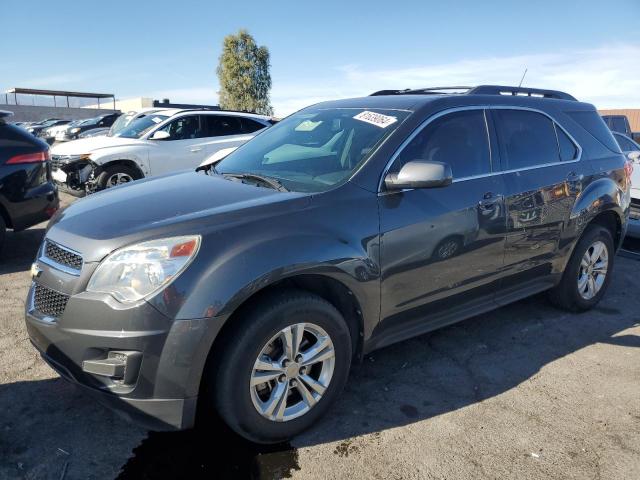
[
  {"x": 62, "y": 256},
  {"x": 56, "y": 161},
  {"x": 49, "y": 302}
]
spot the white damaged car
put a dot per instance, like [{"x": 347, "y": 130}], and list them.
[{"x": 164, "y": 141}]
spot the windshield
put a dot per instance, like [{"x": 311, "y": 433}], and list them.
[
  {"x": 140, "y": 126},
  {"x": 315, "y": 149}
]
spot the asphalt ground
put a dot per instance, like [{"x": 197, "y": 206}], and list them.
[{"x": 524, "y": 392}]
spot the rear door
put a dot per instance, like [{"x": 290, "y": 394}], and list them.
[
  {"x": 543, "y": 177},
  {"x": 442, "y": 249}
]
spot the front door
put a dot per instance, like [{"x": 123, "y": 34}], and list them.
[
  {"x": 185, "y": 148},
  {"x": 443, "y": 248}
]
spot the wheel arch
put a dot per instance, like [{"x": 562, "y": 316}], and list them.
[{"x": 123, "y": 161}]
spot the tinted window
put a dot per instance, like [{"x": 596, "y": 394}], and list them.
[
  {"x": 526, "y": 139},
  {"x": 459, "y": 139},
  {"x": 220, "y": 125},
  {"x": 626, "y": 145},
  {"x": 618, "y": 124},
  {"x": 250, "y": 126},
  {"x": 184, "y": 128},
  {"x": 568, "y": 150},
  {"x": 593, "y": 123}
]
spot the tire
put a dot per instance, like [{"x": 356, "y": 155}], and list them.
[
  {"x": 568, "y": 294},
  {"x": 106, "y": 177},
  {"x": 237, "y": 401}
]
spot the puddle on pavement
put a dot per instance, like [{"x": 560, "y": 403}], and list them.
[{"x": 212, "y": 452}]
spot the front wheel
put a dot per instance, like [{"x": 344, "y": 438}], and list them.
[
  {"x": 283, "y": 365},
  {"x": 116, "y": 175},
  {"x": 588, "y": 272}
]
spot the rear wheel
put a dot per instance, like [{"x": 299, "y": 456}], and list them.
[
  {"x": 588, "y": 272},
  {"x": 283, "y": 365},
  {"x": 115, "y": 175}
]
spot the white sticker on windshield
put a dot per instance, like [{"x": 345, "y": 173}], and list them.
[
  {"x": 377, "y": 119},
  {"x": 156, "y": 119}
]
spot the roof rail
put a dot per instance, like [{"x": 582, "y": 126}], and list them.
[
  {"x": 529, "y": 92},
  {"x": 481, "y": 90}
]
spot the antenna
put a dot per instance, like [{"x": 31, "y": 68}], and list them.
[{"x": 522, "y": 79}]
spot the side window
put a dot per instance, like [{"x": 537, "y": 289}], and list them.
[
  {"x": 184, "y": 128},
  {"x": 459, "y": 139},
  {"x": 221, "y": 125},
  {"x": 250, "y": 126},
  {"x": 568, "y": 150},
  {"x": 526, "y": 139},
  {"x": 626, "y": 145}
]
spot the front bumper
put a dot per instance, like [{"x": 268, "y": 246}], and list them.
[{"x": 162, "y": 392}]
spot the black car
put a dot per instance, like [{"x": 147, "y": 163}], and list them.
[
  {"x": 250, "y": 286},
  {"x": 76, "y": 128},
  {"x": 27, "y": 193}
]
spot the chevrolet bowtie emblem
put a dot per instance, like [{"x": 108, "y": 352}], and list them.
[{"x": 35, "y": 270}]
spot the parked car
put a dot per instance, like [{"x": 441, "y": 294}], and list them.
[
  {"x": 95, "y": 132},
  {"x": 27, "y": 193},
  {"x": 620, "y": 124},
  {"x": 250, "y": 286},
  {"x": 36, "y": 129},
  {"x": 72, "y": 132},
  {"x": 152, "y": 144},
  {"x": 48, "y": 132},
  {"x": 632, "y": 150}
]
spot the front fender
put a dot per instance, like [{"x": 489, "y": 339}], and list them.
[{"x": 138, "y": 155}]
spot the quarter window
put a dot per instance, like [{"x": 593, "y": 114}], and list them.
[
  {"x": 459, "y": 139},
  {"x": 568, "y": 149}
]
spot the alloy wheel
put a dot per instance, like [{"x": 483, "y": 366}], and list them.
[
  {"x": 292, "y": 372},
  {"x": 593, "y": 270},
  {"x": 118, "y": 179}
]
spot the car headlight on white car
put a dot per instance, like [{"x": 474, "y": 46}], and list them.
[{"x": 137, "y": 271}]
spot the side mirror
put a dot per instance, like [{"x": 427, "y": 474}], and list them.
[
  {"x": 634, "y": 156},
  {"x": 160, "y": 135},
  {"x": 420, "y": 174}
]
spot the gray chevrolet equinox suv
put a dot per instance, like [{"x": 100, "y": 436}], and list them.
[{"x": 248, "y": 288}]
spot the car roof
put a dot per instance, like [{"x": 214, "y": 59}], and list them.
[{"x": 416, "y": 99}]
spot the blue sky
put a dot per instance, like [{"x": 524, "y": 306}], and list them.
[{"x": 324, "y": 50}]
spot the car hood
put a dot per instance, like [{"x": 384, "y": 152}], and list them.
[
  {"x": 91, "y": 144},
  {"x": 176, "y": 204}
]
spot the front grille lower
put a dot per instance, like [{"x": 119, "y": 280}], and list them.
[
  {"x": 57, "y": 161},
  {"x": 49, "y": 302},
  {"x": 62, "y": 256}
]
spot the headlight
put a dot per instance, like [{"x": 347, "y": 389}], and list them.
[
  {"x": 139, "y": 270},
  {"x": 74, "y": 130}
]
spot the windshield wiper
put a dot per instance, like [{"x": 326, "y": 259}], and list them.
[{"x": 268, "y": 181}]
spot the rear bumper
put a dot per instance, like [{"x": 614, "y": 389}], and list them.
[{"x": 38, "y": 205}]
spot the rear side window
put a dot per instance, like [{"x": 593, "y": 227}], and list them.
[
  {"x": 250, "y": 126},
  {"x": 221, "y": 125},
  {"x": 626, "y": 145},
  {"x": 459, "y": 139},
  {"x": 618, "y": 124},
  {"x": 568, "y": 149},
  {"x": 593, "y": 123},
  {"x": 526, "y": 139}
]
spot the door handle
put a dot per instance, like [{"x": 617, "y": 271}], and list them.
[{"x": 195, "y": 149}]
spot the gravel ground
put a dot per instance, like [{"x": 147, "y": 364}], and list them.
[{"x": 526, "y": 391}]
